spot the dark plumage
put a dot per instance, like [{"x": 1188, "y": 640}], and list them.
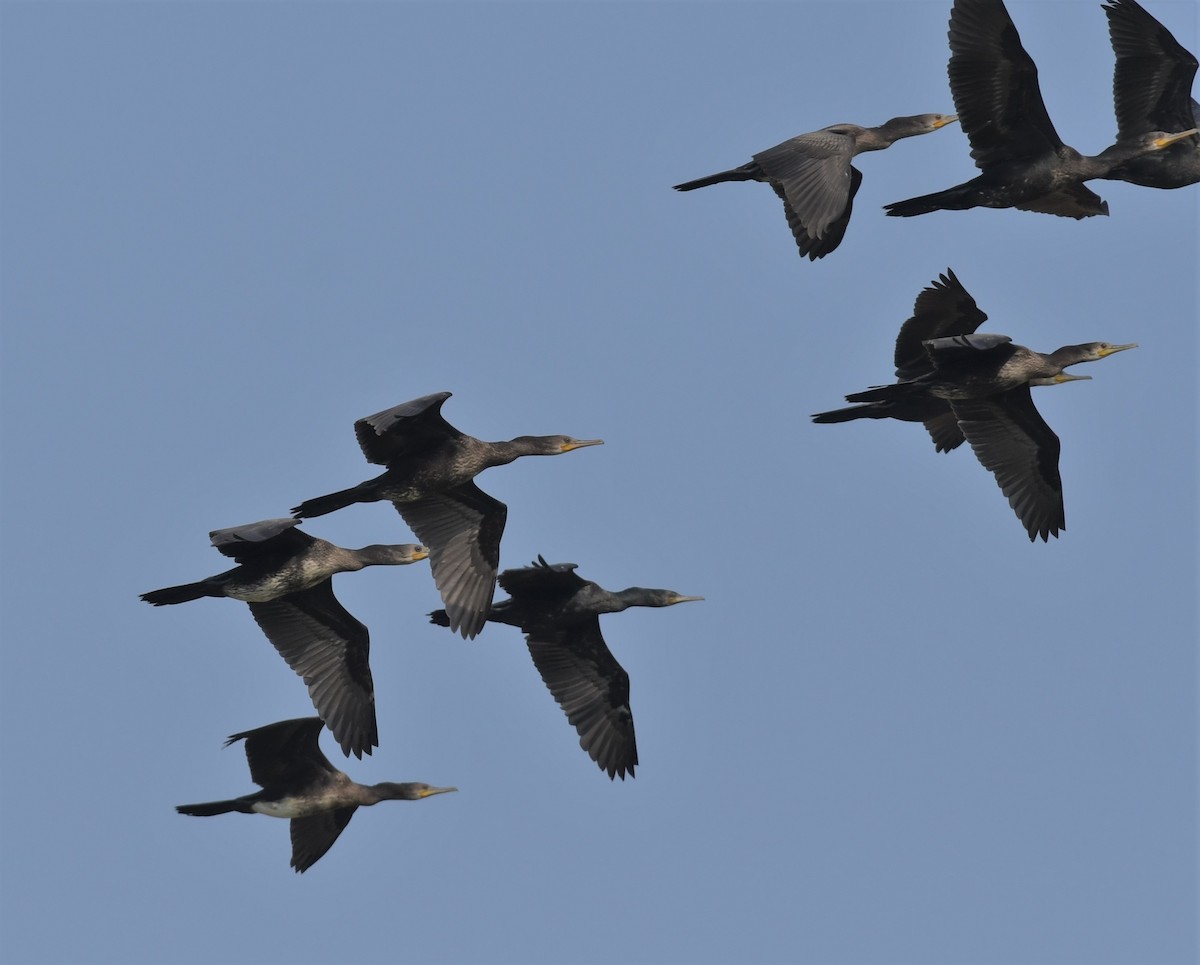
[
  {"x": 944, "y": 308},
  {"x": 299, "y": 783},
  {"x": 430, "y": 471},
  {"x": 1152, "y": 91},
  {"x": 1023, "y": 161},
  {"x": 559, "y": 612},
  {"x": 976, "y": 387},
  {"x": 285, "y": 576},
  {"x": 814, "y": 178}
]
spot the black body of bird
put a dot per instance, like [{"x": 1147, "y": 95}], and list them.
[
  {"x": 977, "y": 387},
  {"x": 429, "y": 479},
  {"x": 813, "y": 176},
  {"x": 1152, "y": 91},
  {"x": 559, "y": 612},
  {"x": 285, "y": 576},
  {"x": 944, "y": 308},
  {"x": 299, "y": 783},
  {"x": 1023, "y": 161}
]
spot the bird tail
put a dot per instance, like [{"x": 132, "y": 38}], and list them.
[
  {"x": 440, "y": 618},
  {"x": 940, "y": 201},
  {"x": 747, "y": 172},
  {"x": 181, "y": 594},
  {"x": 895, "y": 392},
  {"x": 321, "y": 505},
  {"x": 209, "y": 808},
  {"x": 850, "y": 413}
]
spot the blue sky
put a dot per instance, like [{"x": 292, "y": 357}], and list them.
[{"x": 894, "y": 732}]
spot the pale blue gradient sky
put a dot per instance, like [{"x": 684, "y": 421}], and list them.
[{"x": 894, "y": 732}]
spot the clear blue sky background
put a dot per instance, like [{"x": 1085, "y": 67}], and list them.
[{"x": 895, "y": 732}]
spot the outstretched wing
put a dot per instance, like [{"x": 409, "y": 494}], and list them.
[
  {"x": 257, "y": 541},
  {"x": 404, "y": 430},
  {"x": 330, "y": 649},
  {"x": 944, "y": 308},
  {"x": 813, "y": 176},
  {"x": 995, "y": 86},
  {"x": 1152, "y": 79},
  {"x": 314, "y": 835},
  {"x": 542, "y": 581},
  {"x": 1014, "y": 443},
  {"x": 285, "y": 753},
  {"x": 462, "y": 528},
  {"x": 592, "y": 689}
]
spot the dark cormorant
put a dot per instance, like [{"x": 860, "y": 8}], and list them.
[
  {"x": 1024, "y": 162},
  {"x": 285, "y": 576},
  {"x": 298, "y": 782},
  {"x": 559, "y": 612},
  {"x": 1152, "y": 90},
  {"x": 430, "y": 471},
  {"x": 985, "y": 380},
  {"x": 814, "y": 178},
  {"x": 943, "y": 309}
]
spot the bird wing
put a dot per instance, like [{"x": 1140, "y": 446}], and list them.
[
  {"x": 814, "y": 247},
  {"x": 287, "y": 752},
  {"x": 1070, "y": 201},
  {"x": 944, "y": 308},
  {"x": 330, "y": 649},
  {"x": 462, "y": 528},
  {"x": 1014, "y": 443},
  {"x": 258, "y": 541},
  {"x": 995, "y": 86},
  {"x": 404, "y": 430},
  {"x": 1152, "y": 79},
  {"x": 542, "y": 580},
  {"x": 314, "y": 835},
  {"x": 592, "y": 689},
  {"x": 813, "y": 175},
  {"x": 944, "y": 431},
  {"x": 961, "y": 352}
]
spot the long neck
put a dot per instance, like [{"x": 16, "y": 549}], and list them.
[
  {"x": 1068, "y": 355},
  {"x": 624, "y": 599},
  {"x": 885, "y": 135},
  {"x": 1102, "y": 164},
  {"x": 502, "y": 453}
]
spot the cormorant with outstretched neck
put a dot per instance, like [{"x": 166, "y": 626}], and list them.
[
  {"x": 944, "y": 308},
  {"x": 559, "y": 612},
  {"x": 285, "y": 576},
  {"x": 299, "y": 783},
  {"x": 1023, "y": 161},
  {"x": 431, "y": 468},
  {"x": 1152, "y": 90},
  {"x": 985, "y": 382},
  {"x": 814, "y": 178}
]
